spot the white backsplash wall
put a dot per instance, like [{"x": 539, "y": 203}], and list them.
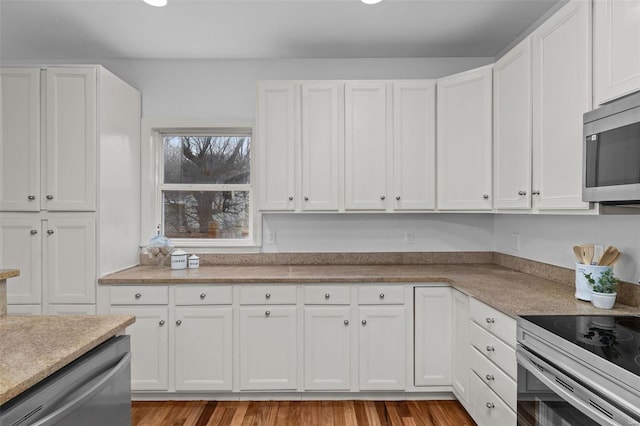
[
  {"x": 549, "y": 238},
  {"x": 377, "y": 232}
]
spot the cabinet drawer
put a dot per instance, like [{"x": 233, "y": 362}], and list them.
[
  {"x": 494, "y": 321},
  {"x": 487, "y": 408},
  {"x": 203, "y": 295},
  {"x": 268, "y": 295},
  {"x": 495, "y": 349},
  {"x": 327, "y": 295},
  {"x": 494, "y": 378},
  {"x": 381, "y": 295},
  {"x": 139, "y": 295}
]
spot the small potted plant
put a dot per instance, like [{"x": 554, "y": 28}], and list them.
[{"x": 603, "y": 289}]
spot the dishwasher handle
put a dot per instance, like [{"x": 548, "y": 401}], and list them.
[{"x": 96, "y": 388}]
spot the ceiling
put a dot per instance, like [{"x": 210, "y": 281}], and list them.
[{"x": 215, "y": 29}]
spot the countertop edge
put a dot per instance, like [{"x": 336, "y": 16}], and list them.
[{"x": 9, "y": 273}]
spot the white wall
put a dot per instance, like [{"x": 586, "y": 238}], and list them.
[
  {"x": 378, "y": 232},
  {"x": 224, "y": 90},
  {"x": 549, "y": 238}
]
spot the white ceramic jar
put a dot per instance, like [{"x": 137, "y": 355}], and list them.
[
  {"x": 178, "y": 260},
  {"x": 194, "y": 262}
]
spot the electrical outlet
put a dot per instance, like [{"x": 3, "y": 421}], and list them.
[
  {"x": 515, "y": 242},
  {"x": 409, "y": 237},
  {"x": 271, "y": 237}
]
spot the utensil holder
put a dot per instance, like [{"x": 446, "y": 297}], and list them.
[{"x": 583, "y": 289}]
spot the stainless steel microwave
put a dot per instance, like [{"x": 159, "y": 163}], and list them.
[{"x": 611, "y": 171}]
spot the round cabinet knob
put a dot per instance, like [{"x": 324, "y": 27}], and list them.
[
  {"x": 490, "y": 320},
  {"x": 31, "y": 197},
  {"x": 327, "y": 295},
  {"x": 268, "y": 295},
  {"x": 364, "y": 322},
  {"x": 346, "y": 322},
  {"x": 398, "y": 197},
  {"x": 161, "y": 322},
  {"x": 489, "y": 377},
  {"x": 522, "y": 192},
  {"x": 290, "y": 198},
  {"x": 485, "y": 196},
  {"x": 50, "y": 232},
  {"x": 490, "y": 348},
  {"x": 138, "y": 296},
  {"x": 49, "y": 197},
  {"x": 178, "y": 322},
  {"x": 382, "y": 197},
  {"x": 535, "y": 192},
  {"x": 490, "y": 405},
  {"x": 203, "y": 295},
  {"x": 306, "y": 198},
  {"x": 33, "y": 232},
  {"x": 381, "y": 295},
  {"x": 267, "y": 313}
]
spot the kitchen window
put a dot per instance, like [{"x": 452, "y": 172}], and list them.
[{"x": 203, "y": 197}]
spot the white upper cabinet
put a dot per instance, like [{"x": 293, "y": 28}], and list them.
[
  {"x": 366, "y": 126},
  {"x": 414, "y": 145},
  {"x": 70, "y": 156},
  {"x": 277, "y": 140},
  {"x": 20, "y": 139},
  {"x": 464, "y": 140},
  {"x": 321, "y": 145},
  {"x": 512, "y": 128},
  {"x": 561, "y": 95},
  {"x": 616, "y": 39}
]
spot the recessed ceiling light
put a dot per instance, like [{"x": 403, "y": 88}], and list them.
[
  {"x": 371, "y": 1},
  {"x": 156, "y": 3}
]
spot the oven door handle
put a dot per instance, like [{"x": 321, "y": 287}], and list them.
[
  {"x": 102, "y": 381},
  {"x": 590, "y": 403}
]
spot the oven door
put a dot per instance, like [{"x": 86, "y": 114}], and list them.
[{"x": 548, "y": 396}]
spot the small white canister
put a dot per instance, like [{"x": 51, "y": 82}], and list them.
[
  {"x": 178, "y": 260},
  {"x": 194, "y": 262}
]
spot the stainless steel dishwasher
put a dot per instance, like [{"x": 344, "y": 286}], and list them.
[{"x": 93, "y": 390}]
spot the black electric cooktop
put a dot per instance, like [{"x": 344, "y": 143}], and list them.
[{"x": 614, "y": 338}]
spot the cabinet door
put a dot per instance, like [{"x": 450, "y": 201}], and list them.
[
  {"x": 414, "y": 145},
  {"x": 69, "y": 258},
  {"x": 278, "y": 115},
  {"x": 561, "y": 95},
  {"x": 20, "y": 139},
  {"x": 71, "y": 171},
  {"x": 464, "y": 140},
  {"x": 460, "y": 352},
  {"x": 149, "y": 346},
  {"x": 432, "y": 336},
  {"x": 512, "y": 128},
  {"x": 203, "y": 348},
  {"x": 365, "y": 145},
  {"x": 21, "y": 248},
  {"x": 268, "y": 348},
  {"x": 327, "y": 344},
  {"x": 321, "y": 146},
  {"x": 382, "y": 348},
  {"x": 616, "y": 43}
]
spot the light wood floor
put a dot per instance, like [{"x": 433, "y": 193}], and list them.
[{"x": 303, "y": 413}]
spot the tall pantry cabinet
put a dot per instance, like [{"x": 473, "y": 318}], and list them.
[{"x": 69, "y": 183}]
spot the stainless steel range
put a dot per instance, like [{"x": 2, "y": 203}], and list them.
[{"x": 578, "y": 370}]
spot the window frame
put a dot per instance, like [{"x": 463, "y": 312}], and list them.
[{"x": 152, "y": 183}]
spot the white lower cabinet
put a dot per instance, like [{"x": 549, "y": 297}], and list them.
[
  {"x": 327, "y": 347},
  {"x": 268, "y": 347},
  {"x": 203, "y": 342},
  {"x": 382, "y": 347},
  {"x": 487, "y": 409},
  {"x": 433, "y": 336},
  {"x": 460, "y": 346},
  {"x": 149, "y": 346}
]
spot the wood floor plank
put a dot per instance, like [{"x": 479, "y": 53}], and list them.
[{"x": 299, "y": 413}]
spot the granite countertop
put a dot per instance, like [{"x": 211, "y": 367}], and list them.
[
  {"x": 512, "y": 292},
  {"x": 8, "y": 273},
  {"x": 34, "y": 347}
]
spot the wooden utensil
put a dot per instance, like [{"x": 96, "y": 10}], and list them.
[
  {"x": 608, "y": 256},
  {"x": 577, "y": 251},
  {"x": 613, "y": 262},
  {"x": 587, "y": 253}
]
